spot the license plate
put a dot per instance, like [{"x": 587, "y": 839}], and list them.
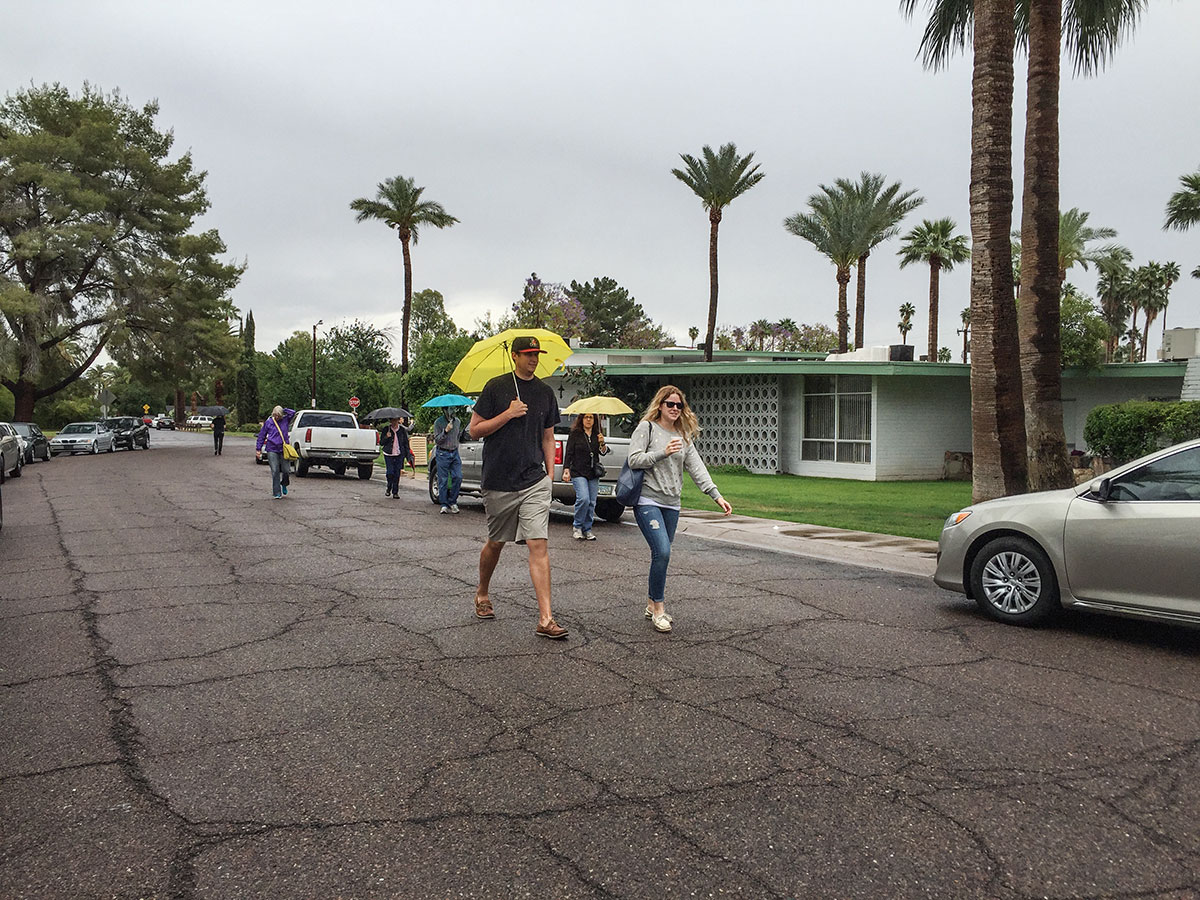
[
  {"x": 602, "y": 489},
  {"x": 343, "y": 454}
]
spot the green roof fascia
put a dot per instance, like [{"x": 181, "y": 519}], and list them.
[
  {"x": 1171, "y": 369},
  {"x": 699, "y": 354},
  {"x": 797, "y": 367}
]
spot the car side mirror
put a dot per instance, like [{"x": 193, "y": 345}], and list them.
[{"x": 1103, "y": 490}]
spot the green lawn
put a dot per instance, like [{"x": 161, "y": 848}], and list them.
[{"x": 907, "y": 508}]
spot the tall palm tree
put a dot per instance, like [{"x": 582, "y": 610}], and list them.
[
  {"x": 1150, "y": 294},
  {"x": 1113, "y": 291},
  {"x": 832, "y": 226},
  {"x": 934, "y": 243},
  {"x": 717, "y": 179},
  {"x": 1074, "y": 235},
  {"x": 1091, "y": 32},
  {"x": 1183, "y": 209},
  {"x": 965, "y": 331},
  {"x": 880, "y": 211},
  {"x": 398, "y": 204},
  {"x": 1196, "y": 272},
  {"x": 1170, "y": 273},
  {"x": 907, "y": 311}
]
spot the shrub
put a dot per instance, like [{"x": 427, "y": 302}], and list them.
[{"x": 1126, "y": 431}]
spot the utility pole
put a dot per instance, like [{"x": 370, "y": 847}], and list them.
[{"x": 314, "y": 367}]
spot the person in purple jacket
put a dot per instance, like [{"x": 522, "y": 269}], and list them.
[{"x": 271, "y": 438}]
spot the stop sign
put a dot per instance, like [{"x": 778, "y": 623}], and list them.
[{"x": 354, "y": 403}]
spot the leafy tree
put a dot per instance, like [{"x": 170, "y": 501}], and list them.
[
  {"x": 545, "y": 304},
  {"x": 1084, "y": 331},
  {"x": 880, "y": 210},
  {"x": 613, "y": 318},
  {"x": 832, "y": 226},
  {"x": 398, "y": 204},
  {"x": 179, "y": 335},
  {"x": 362, "y": 345},
  {"x": 907, "y": 310},
  {"x": 717, "y": 179},
  {"x": 936, "y": 244},
  {"x": 90, "y": 204},
  {"x": 435, "y": 358},
  {"x": 247, "y": 378},
  {"x": 1183, "y": 208},
  {"x": 429, "y": 315}
]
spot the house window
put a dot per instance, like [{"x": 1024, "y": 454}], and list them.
[{"x": 837, "y": 418}]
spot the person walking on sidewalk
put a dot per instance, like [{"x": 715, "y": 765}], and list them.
[
  {"x": 515, "y": 415},
  {"x": 585, "y": 444},
  {"x": 218, "y": 434},
  {"x": 663, "y": 445},
  {"x": 271, "y": 439},
  {"x": 396, "y": 450},
  {"x": 446, "y": 458}
]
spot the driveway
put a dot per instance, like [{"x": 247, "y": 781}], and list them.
[{"x": 208, "y": 693}]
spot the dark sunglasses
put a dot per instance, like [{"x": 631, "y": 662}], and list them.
[{"x": 672, "y": 404}]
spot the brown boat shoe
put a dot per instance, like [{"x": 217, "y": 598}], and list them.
[
  {"x": 483, "y": 608},
  {"x": 551, "y": 630}
]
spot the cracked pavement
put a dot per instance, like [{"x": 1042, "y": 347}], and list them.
[{"x": 210, "y": 694}]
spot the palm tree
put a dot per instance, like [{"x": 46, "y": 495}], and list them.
[
  {"x": 693, "y": 333},
  {"x": 1183, "y": 209},
  {"x": 936, "y": 244},
  {"x": 758, "y": 331},
  {"x": 880, "y": 211},
  {"x": 1170, "y": 273},
  {"x": 399, "y": 205},
  {"x": 1113, "y": 291},
  {"x": 717, "y": 179},
  {"x": 1150, "y": 295},
  {"x": 1074, "y": 234},
  {"x": 1196, "y": 272},
  {"x": 907, "y": 310},
  {"x": 965, "y": 331},
  {"x": 1091, "y": 33},
  {"x": 832, "y": 226}
]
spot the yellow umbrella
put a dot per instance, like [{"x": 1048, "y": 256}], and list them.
[
  {"x": 601, "y": 406},
  {"x": 492, "y": 356}
]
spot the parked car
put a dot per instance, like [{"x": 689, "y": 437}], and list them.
[
  {"x": 333, "y": 439},
  {"x": 607, "y": 507},
  {"x": 161, "y": 422},
  {"x": 129, "y": 432},
  {"x": 12, "y": 452},
  {"x": 1124, "y": 543},
  {"x": 83, "y": 437},
  {"x": 37, "y": 445},
  {"x": 199, "y": 421}
]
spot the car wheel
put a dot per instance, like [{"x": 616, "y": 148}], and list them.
[
  {"x": 47, "y": 455},
  {"x": 112, "y": 446},
  {"x": 1013, "y": 581},
  {"x": 365, "y": 472},
  {"x": 95, "y": 448},
  {"x": 433, "y": 488},
  {"x": 16, "y": 472},
  {"x": 609, "y": 510},
  {"x": 339, "y": 471},
  {"x": 302, "y": 468}
]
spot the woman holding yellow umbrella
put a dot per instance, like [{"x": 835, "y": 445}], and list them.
[{"x": 581, "y": 458}]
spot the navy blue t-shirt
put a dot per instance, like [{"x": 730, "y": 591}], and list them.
[{"x": 512, "y": 455}]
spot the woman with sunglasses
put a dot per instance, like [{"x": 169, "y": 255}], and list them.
[{"x": 663, "y": 445}]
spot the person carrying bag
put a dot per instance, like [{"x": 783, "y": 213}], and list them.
[{"x": 273, "y": 440}]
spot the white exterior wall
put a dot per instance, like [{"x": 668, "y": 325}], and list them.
[
  {"x": 917, "y": 420},
  {"x": 1082, "y": 394}
]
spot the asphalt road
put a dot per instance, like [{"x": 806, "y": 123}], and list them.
[{"x": 207, "y": 693}]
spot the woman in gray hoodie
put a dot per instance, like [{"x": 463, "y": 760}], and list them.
[{"x": 663, "y": 445}]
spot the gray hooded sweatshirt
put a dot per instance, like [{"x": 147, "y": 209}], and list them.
[{"x": 663, "y": 483}]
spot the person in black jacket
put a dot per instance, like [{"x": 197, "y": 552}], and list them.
[
  {"x": 396, "y": 449},
  {"x": 218, "y": 434},
  {"x": 585, "y": 445}
]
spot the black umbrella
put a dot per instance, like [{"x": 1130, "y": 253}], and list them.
[
  {"x": 213, "y": 411},
  {"x": 388, "y": 412}
]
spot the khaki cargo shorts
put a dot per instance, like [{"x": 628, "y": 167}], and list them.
[{"x": 519, "y": 515}]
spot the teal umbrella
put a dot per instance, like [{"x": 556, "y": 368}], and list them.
[{"x": 449, "y": 400}]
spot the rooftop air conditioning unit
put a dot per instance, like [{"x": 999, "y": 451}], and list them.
[{"x": 1179, "y": 343}]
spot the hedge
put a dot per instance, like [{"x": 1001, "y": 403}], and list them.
[{"x": 1125, "y": 431}]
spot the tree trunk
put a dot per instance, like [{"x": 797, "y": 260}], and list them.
[
  {"x": 860, "y": 300},
  {"x": 24, "y": 396},
  {"x": 935, "y": 271},
  {"x": 997, "y": 423},
  {"x": 843, "y": 313},
  {"x": 407, "y": 313},
  {"x": 714, "y": 218},
  {"x": 1039, "y": 313}
]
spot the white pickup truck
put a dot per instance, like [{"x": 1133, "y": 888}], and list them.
[
  {"x": 607, "y": 507},
  {"x": 333, "y": 439}
]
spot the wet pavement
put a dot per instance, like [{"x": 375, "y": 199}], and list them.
[{"x": 211, "y": 694}]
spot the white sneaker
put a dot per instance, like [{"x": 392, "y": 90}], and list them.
[
  {"x": 661, "y": 622},
  {"x": 454, "y": 508},
  {"x": 665, "y": 615},
  {"x": 445, "y": 510},
  {"x": 588, "y": 536},
  {"x": 577, "y": 534}
]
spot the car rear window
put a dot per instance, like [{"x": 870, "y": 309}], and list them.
[
  {"x": 78, "y": 429},
  {"x": 23, "y": 430},
  {"x": 326, "y": 420}
]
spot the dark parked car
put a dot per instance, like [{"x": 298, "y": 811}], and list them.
[
  {"x": 164, "y": 421},
  {"x": 129, "y": 432},
  {"x": 37, "y": 445}
]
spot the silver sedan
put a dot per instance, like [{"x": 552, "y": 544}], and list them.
[
  {"x": 1127, "y": 543},
  {"x": 82, "y": 437}
]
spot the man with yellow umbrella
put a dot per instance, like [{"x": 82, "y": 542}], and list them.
[{"x": 515, "y": 415}]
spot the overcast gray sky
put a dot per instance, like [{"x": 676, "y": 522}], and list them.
[{"x": 549, "y": 129}]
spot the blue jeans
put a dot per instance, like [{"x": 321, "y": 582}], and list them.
[
  {"x": 449, "y": 476},
  {"x": 392, "y": 467},
  {"x": 280, "y": 468},
  {"x": 658, "y": 528},
  {"x": 585, "y": 502}
]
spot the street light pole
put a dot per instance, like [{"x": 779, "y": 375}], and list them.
[{"x": 314, "y": 367}]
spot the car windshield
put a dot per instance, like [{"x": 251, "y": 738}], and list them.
[
  {"x": 78, "y": 428},
  {"x": 119, "y": 423}
]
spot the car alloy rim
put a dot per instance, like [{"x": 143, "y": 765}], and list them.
[{"x": 1011, "y": 582}]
